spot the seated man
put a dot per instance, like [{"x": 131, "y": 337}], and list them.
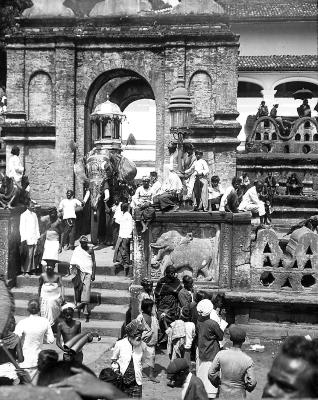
[
  {"x": 141, "y": 204},
  {"x": 304, "y": 110},
  {"x": 230, "y": 200},
  {"x": 171, "y": 190},
  {"x": 294, "y": 187},
  {"x": 215, "y": 193},
  {"x": 262, "y": 110},
  {"x": 251, "y": 201}
]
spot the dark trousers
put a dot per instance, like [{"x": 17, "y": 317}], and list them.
[
  {"x": 68, "y": 235},
  {"x": 115, "y": 227}
]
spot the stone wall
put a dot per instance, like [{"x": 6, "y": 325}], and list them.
[{"x": 64, "y": 63}]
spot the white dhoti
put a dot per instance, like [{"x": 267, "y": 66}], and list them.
[
  {"x": 258, "y": 208},
  {"x": 190, "y": 184},
  {"x": 51, "y": 301},
  {"x": 51, "y": 250}
]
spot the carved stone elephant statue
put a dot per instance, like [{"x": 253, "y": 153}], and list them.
[
  {"x": 108, "y": 174},
  {"x": 185, "y": 253}
]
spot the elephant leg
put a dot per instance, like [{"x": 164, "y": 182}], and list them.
[
  {"x": 206, "y": 270},
  {"x": 95, "y": 217}
]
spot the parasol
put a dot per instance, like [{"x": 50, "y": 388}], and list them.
[{"x": 303, "y": 94}]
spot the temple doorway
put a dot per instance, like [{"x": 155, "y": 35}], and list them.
[{"x": 132, "y": 96}]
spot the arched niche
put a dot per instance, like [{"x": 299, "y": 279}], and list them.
[
  {"x": 200, "y": 89},
  {"x": 40, "y": 96},
  {"x": 123, "y": 87}
]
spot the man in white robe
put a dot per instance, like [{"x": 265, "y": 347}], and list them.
[
  {"x": 15, "y": 168},
  {"x": 83, "y": 259},
  {"x": 30, "y": 234},
  {"x": 251, "y": 201}
]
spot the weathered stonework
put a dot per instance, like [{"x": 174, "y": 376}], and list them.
[
  {"x": 9, "y": 244},
  {"x": 65, "y": 62}
]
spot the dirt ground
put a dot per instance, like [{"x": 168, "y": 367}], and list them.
[{"x": 152, "y": 391}]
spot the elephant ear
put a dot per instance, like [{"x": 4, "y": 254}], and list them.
[
  {"x": 79, "y": 165},
  {"x": 127, "y": 170}
]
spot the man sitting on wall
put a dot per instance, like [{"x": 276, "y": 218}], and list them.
[
  {"x": 230, "y": 200},
  {"x": 171, "y": 190},
  {"x": 251, "y": 201}
]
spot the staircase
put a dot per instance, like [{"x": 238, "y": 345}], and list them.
[{"x": 110, "y": 296}]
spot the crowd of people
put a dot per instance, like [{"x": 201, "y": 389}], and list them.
[{"x": 192, "y": 326}]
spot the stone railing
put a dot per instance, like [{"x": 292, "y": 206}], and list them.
[{"x": 292, "y": 267}]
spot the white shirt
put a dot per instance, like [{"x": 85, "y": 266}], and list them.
[
  {"x": 122, "y": 353},
  {"x": 34, "y": 331},
  {"x": 223, "y": 201},
  {"x": 15, "y": 169},
  {"x": 117, "y": 212},
  {"x": 172, "y": 183},
  {"x": 199, "y": 167},
  {"x": 29, "y": 227},
  {"x": 68, "y": 207},
  {"x": 126, "y": 226},
  {"x": 189, "y": 334},
  {"x": 156, "y": 188},
  {"x": 82, "y": 259},
  {"x": 142, "y": 196},
  {"x": 186, "y": 385},
  {"x": 249, "y": 198}
]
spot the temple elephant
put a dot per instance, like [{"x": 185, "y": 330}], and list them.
[
  {"x": 106, "y": 173},
  {"x": 185, "y": 253}
]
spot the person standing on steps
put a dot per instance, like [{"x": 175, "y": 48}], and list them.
[
  {"x": 122, "y": 249},
  {"x": 30, "y": 234},
  {"x": 83, "y": 260},
  {"x": 68, "y": 208}
]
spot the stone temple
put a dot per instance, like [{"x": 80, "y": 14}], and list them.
[{"x": 62, "y": 60}]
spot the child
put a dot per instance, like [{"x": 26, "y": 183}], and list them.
[
  {"x": 215, "y": 193},
  {"x": 150, "y": 335},
  {"x": 67, "y": 329},
  {"x": 122, "y": 249},
  {"x": 148, "y": 293}
]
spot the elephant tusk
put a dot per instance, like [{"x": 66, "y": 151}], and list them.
[{"x": 156, "y": 246}]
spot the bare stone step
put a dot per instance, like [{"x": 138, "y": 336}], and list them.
[
  {"x": 104, "y": 296},
  {"x": 109, "y": 329},
  {"x": 101, "y": 282},
  {"x": 277, "y": 331},
  {"x": 113, "y": 312}
]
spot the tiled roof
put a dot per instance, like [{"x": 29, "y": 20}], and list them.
[
  {"x": 278, "y": 63},
  {"x": 241, "y": 9}
]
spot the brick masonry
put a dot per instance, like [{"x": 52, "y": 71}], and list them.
[{"x": 56, "y": 69}]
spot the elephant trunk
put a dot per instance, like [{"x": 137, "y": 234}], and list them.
[{"x": 95, "y": 195}]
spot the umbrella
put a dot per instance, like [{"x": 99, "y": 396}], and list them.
[{"x": 303, "y": 94}]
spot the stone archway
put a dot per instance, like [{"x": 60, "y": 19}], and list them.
[{"x": 123, "y": 86}]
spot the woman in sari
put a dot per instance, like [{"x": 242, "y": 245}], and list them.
[
  {"x": 13, "y": 344},
  {"x": 167, "y": 302},
  {"x": 52, "y": 245},
  {"x": 51, "y": 293}
]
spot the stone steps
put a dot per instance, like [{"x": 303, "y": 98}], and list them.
[
  {"x": 277, "y": 331},
  {"x": 104, "y": 296},
  {"x": 110, "y": 297},
  {"x": 112, "y": 312},
  {"x": 101, "y": 282}
]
